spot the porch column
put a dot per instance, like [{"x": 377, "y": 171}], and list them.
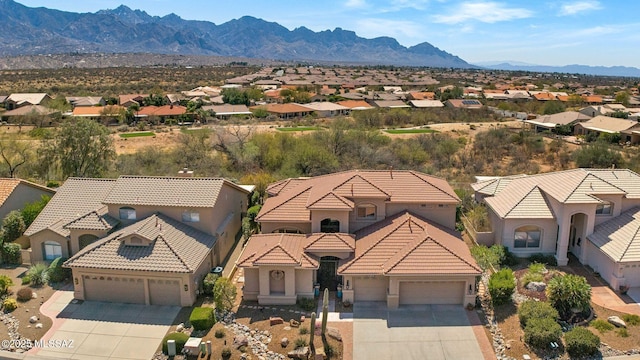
[
  {"x": 563, "y": 241},
  {"x": 290, "y": 282},
  {"x": 264, "y": 281}
]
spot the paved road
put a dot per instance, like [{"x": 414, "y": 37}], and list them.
[{"x": 413, "y": 332}]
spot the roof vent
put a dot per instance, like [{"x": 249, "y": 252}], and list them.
[{"x": 185, "y": 173}]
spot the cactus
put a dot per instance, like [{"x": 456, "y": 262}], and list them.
[
  {"x": 325, "y": 311},
  {"x": 312, "y": 333}
]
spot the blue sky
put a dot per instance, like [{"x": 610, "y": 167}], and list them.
[{"x": 590, "y": 32}]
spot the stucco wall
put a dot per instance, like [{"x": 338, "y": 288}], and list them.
[
  {"x": 548, "y": 237},
  {"x": 356, "y": 224},
  {"x": 445, "y": 215},
  {"x": 304, "y": 282},
  {"x": 269, "y": 227},
  {"x": 602, "y": 264},
  {"x": 251, "y": 284},
  {"x": 318, "y": 215},
  {"x": 21, "y": 195},
  {"x": 39, "y": 238},
  {"x": 74, "y": 236}
]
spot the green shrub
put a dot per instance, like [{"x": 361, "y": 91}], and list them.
[
  {"x": 38, "y": 274},
  {"x": 5, "y": 284},
  {"x": 208, "y": 283},
  {"x": 531, "y": 277},
  {"x": 532, "y": 309},
  {"x": 180, "y": 338},
  {"x": 11, "y": 253},
  {"x": 537, "y": 268},
  {"x": 202, "y": 318},
  {"x": 601, "y": 325},
  {"x": 31, "y": 210},
  {"x": 569, "y": 292},
  {"x": 581, "y": 342},
  {"x": 56, "y": 273},
  {"x": 501, "y": 286},
  {"x": 307, "y": 304},
  {"x": 548, "y": 260},
  {"x": 329, "y": 350},
  {"x": 224, "y": 293},
  {"x": 631, "y": 319},
  {"x": 219, "y": 333},
  {"x": 9, "y": 304},
  {"x": 303, "y": 330},
  {"x": 301, "y": 342},
  {"x": 12, "y": 226},
  {"x": 26, "y": 280},
  {"x": 226, "y": 352},
  {"x": 541, "y": 332},
  {"x": 622, "y": 332},
  {"x": 25, "y": 294}
]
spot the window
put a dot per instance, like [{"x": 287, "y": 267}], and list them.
[
  {"x": 604, "y": 208},
  {"x": 127, "y": 213},
  {"x": 287, "y": 231},
  {"x": 367, "y": 212},
  {"x": 52, "y": 250},
  {"x": 329, "y": 226},
  {"x": 527, "y": 237},
  {"x": 190, "y": 216}
]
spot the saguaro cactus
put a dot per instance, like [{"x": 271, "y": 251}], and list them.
[
  {"x": 325, "y": 311},
  {"x": 312, "y": 333}
]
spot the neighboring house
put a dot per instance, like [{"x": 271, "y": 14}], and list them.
[
  {"x": 161, "y": 111},
  {"x": 421, "y": 104},
  {"x": 15, "y": 101},
  {"x": 590, "y": 213},
  {"x": 544, "y": 96},
  {"x": 135, "y": 239},
  {"x": 463, "y": 103},
  {"x": 421, "y": 95},
  {"x": 16, "y": 193},
  {"x": 82, "y": 101},
  {"x": 30, "y": 110},
  {"x": 226, "y": 111},
  {"x": 131, "y": 99},
  {"x": 327, "y": 109},
  {"x": 390, "y": 104},
  {"x": 549, "y": 122},
  {"x": 286, "y": 111},
  {"x": 99, "y": 112},
  {"x": 629, "y": 130},
  {"x": 355, "y": 104},
  {"x": 595, "y": 110},
  {"x": 174, "y": 99},
  {"x": 381, "y": 235}
]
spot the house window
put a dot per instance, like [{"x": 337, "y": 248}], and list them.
[
  {"x": 527, "y": 237},
  {"x": 86, "y": 239},
  {"x": 367, "y": 212},
  {"x": 190, "y": 216},
  {"x": 127, "y": 213},
  {"x": 604, "y": 208},
  {"x": 329, "y": 226},
  {"x": 52, "y": 250},
  {"x": 287, "y": 231}
]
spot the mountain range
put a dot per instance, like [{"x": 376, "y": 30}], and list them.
[
  {"x": 38, "y": 31},
  {"x": 568, "y": 69}
]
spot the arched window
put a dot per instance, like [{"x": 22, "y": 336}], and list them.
[
  {"x": 527, "y": 237},
  {"x": 86, "y": 239},
  {"x": 329, "y": 226},
  {"x": 127, "y": 213},
  {"x": 366, "y": 212},
  {"x": 52, "y": 250}
]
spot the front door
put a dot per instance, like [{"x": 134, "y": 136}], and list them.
[{"x": 328, "y": 273}]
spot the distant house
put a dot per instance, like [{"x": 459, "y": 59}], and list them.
[
  {"x": 286, "y": 111},
  {"x": 81, "y": 101},
  {"x": 327, "y": 109},
  {"x": 391, "y": 104},
  {"x": 421, "y": 95},
  {"x": 16, "y": 193},
  {"x": 628, "y": 129},
  {"x": 355, "y": 104},
  {"x": 549, "y": 122},
  {"x": 544, "y": 96},
  {"x": 161, "y": 111},
  {"x": 463, "y": 103},
  {"x": 595, "y": 110},
  {"x": 173, "y": 99},
  {"x": 99, "y": 112},
  {"x": 131, "y": 99},
  {"x": 422, "y": 104},
  {"x": 17, "y": 100},
  {"x": 226, "y": 111},
  {"x": 29, "y": 110}
]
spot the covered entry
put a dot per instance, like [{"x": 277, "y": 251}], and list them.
[
  {"x": 328, "y": 273},
  {"x": 370, "y": 288},
  {"x": 164, "y": 292},
  {"x": 431, "y": 292},
  {"x": 113, "y": 289}
]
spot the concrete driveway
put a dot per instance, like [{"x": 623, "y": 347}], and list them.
[
  {"x": 101, "y": 331},
  {"x": 412, "y": 332}
]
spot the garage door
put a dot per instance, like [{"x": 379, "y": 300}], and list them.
[
  {"x": 114, "y": 289},
  {"x": 422, "y": 292},
  {"x": 164, "y": 292},
  {"x": 370, "y": 288},
  {"x": 632, "y": 275}
]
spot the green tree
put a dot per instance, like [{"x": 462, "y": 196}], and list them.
[
  {"x": 234, "y": 97},
  {"x": 553, "y": 107},
  {"x": 224, "y": 294},
  {"x": 81, "y": 148},
  {"x": 31, "y": 210},
  {"x": 597, "y": 155},
  {"x": 623, "y": 98},
  {"x": 14, "y": 154},
  {"x": 12, "y": 226},
  {"x": 569, "y": 293}
]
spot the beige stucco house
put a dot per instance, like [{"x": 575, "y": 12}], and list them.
[
  {"x": 590, "y": 213},
  {"x": 381, "y": 235},
  {"x": 16, "y": 193},
  {"x": 135, "y": 239}
]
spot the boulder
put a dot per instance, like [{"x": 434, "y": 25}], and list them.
[
  {"x": 33, "y": 319},
  {"x": 536, "y": 286},
  {"x": 334, "y": 333},
  {"x": 275, "y": 320},
  {"x": 299, "y": 353},
  {"x": 294, "y": 323},
  {"x": 180, "y": 327},
  {"x": 34, "y": 295},
  {"x": 284, "y": 342},
  {"x": 239, "y": 341},
  {"x": 39, "y": 326},
  {"x": 615, "y": 320},
  {"x": 302, "y": 318}
]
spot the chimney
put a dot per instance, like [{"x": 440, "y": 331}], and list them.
[{"x": 185, "y": 173}]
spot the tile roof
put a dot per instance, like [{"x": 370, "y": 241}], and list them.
[
  {"x": 165, "y": 191},
  {"x": 325, "y": 106},
  {"x": 609, "y": 124},
  {"x": 288, "y": 108},
  {"x": 406, "y": 244},
  {"x": 94, "y": 220},
  {"x": 526, "y": 196},
  {"x": 355, "y": 104},
  {"x": 292, "y": 199},
  {"x": 97, "y": 110},
  {"x": 74, "y": 199},
  {"x": 426, "y": 103},
  {"x": 330, "y": 242},
  {"x": 8, "y": 185},
  {"x": 228, "y": 109},
  {"x": 174, "y": 247},
  {"x": 30, "y": 109},
  {"x": 277, "y": 249},
  {"x": 619, "y": 238},
  {"x": 27, "y": 98}
]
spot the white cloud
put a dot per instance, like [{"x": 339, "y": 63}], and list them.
[
  {"x": 400, "y": 29},
  {"x": 579, "y": 6},
  {"x": 487, "y": 12},
  {"x": 355, "y": 3}
]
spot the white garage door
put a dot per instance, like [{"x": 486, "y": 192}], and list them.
[
  {"x": 164, "y": 292},
  {"x": 423, "y": 292},
  {"x": 632, "y": 275},
  {"x": 370, "y": 288},
  {"x": 114, "y": 289}
]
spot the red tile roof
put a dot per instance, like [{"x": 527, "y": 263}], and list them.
[{"x": 277, "y": 249}]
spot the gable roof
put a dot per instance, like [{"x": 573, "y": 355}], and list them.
[
  {"x": 27, "y": 98},
  {"x": 8, "y": 185},
  {"x": 355, "y": 104},
  {"x": 94, "y": 220},
  {"x": 175, "y": 247},
  {"x": 330, "y": 242},
  {"x": 563, "y": 118},
  {"x": 74, "y": 199},
  {"x": 30, "y": 109},
  {"x": 609, "y": 124},
  {"x": 619, "y": 238},
  {"x": 523, "y": 196},
  {"x": 277, "y": 249},
  {"x": 289, "y": 108},
  {"x": 292, "y": 199},
  {"x": 166, "y": 191},
  {"x": 406, "y": 244}
]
